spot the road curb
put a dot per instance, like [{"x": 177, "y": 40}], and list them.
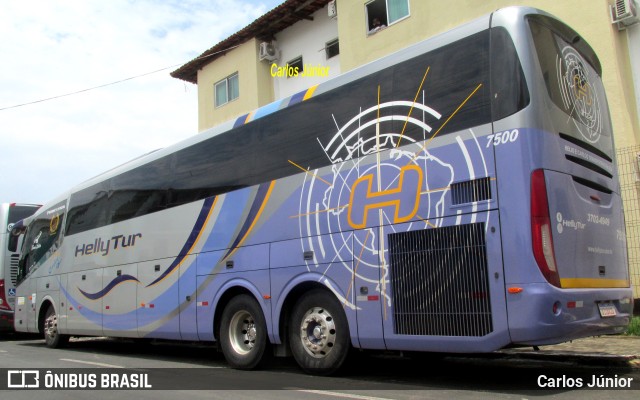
[{"x": 595, "y": 359}]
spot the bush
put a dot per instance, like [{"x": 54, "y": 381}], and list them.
[{"x": 634, "y": 327}]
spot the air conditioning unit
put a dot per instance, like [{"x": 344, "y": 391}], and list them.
[
  {"x": 268, "y": 51},
  {"x": 332, "y": 10},
  {"x": 624, "y": 13}
]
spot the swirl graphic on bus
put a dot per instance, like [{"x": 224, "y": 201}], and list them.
[
  {"x": 373, "y": 182},
  {"x": 579, "y": 95}
]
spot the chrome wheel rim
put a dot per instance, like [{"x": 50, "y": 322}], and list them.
[
  {"x": 243, "y": 332},
  {"x": 318, "y": 332},
  {"x": 51, "y": 326}
]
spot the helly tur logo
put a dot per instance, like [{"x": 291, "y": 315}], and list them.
[
  {"x": 564, "y": 223},
  {"x": 404, "y": 199}
]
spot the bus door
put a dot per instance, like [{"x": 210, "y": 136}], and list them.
[
  {"x": 157, "y": 298},
  {"x": 84, "y": 304},
  {"x": 119, "y": 302},
  {"x": 367, "y": 289},
  {"x": 187, "y": 292},
  {"x": 25, "y": 307}
]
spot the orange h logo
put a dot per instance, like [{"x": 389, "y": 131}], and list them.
[
  {"x": 404, "y": 199},
  {"x": 581, "y": 89}
]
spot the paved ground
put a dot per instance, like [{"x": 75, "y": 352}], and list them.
[
  {"x": 510, "y": 374},
  {"x": 609, "y": 349}
]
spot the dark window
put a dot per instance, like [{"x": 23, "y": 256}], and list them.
[
  {"x": 332, "y": 48},
  {"x": 507, "y": 79},
  {"x": 571, "y": 73},
  {"x": 88, "y": 209},
  {"x": 260, "y": 151},
  {"x": 141, "y": 191},
  {"x": 16, "y": 213},
  {"x": 296, "y": 65},
  {"x": 43, "y": 236}
]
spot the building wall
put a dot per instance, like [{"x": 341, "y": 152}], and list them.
[
  {"x": 430, "y": 17},
  {"x": 255, "y": 85},
  {"x": 258, "y": 86},
  {"x": 306, "y": 38}
]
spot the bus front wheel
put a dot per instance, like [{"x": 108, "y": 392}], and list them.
[
  {"x": 52, "y": 337},
  {"x": 243, "y": 333},
  {"x": 319, "y": 333}
]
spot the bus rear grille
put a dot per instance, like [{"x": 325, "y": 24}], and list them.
[
  {"x": 13, "y": 268},
  {"x": 470, "y": 191},
  {"x": 439, "y": 281}
]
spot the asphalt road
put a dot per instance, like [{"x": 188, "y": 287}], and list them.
[{"x": 195, "y": 371}]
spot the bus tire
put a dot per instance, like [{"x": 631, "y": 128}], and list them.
[
  {"x": 319, "y": 333},
  {"x": 52, "y": 337},
  {"x": 243, "y": 333}
]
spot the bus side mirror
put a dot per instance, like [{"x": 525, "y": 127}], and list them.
[{"x": 14, "y": 238}]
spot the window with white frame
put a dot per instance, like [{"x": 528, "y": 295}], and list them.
[
  {"x": 382, "y": 13},
  {"x": 226, "y": 90}
]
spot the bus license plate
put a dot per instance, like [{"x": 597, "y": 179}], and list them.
[{"x": 607, "y": 310}]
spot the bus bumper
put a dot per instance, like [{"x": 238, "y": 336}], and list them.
[{"x": 543, "y": 314}]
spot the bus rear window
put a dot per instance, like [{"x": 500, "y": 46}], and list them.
[{"x": 571, "y": 73}]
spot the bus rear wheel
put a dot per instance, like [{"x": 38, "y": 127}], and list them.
[
  {"x": 319, "y": 333},
  {"x": 52, "y": 337},
  {"x": 243, "y": 333}
]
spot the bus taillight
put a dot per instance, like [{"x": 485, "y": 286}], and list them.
[
  {"x": 4, "y": 305},
  {"x": 541, "y": 229}
]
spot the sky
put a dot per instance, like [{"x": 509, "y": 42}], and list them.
[{"x": 56, "y": 47}]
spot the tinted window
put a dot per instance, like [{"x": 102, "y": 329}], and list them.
[
  {"x": 571, "y": 73},
  {"x": 263, "y": 150},
  {"x": 43, "y": 236},
  {"x": 16, "y": 213},
  {"x": 507, "y": 79},
  {"x": 88, "y": 209}
]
